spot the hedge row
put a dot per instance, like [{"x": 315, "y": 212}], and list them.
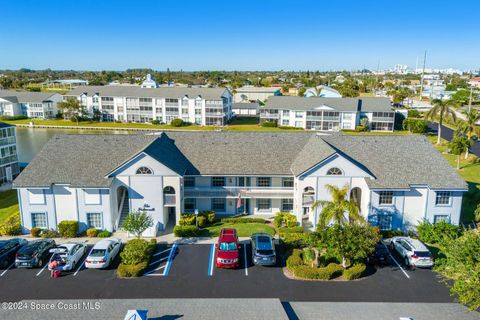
[
  {"x": 190, "y": 219},
  {"x": 187, "y": 231},
  {"x": 135, "y": 257},
  {"x": 242, "y": 220},
  {"x": 329, "y": 272},
  {"x": 285, "y": 219},
  {"x": 297, "y": 229},
  {"x": 354, "y": 272}
]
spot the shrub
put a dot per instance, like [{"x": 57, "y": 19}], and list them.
[
  {"x": 285, "y": 218},
  {"x": 177, "y": 123},
  {"x": 186, "y": 231},
  {"x": 135, "y": 251},
  {"x": 35, "y": 232},
  {"x": 306, "y": 272},
  {"x": 104, "y": 234},
  {"x": 129, "y": 271},
  {"x": 391, "y": 233},
  {"x": 293, "y": 240},
  {"x": 415, "y": 125},
  {"x": 438, "y": 232},
  {"x": 295, "y": 259},
  {"x": 297, "y": 229},
  {"x": 278, "y": 221},
  {"x": 13, "y": 117},
  {"x": 269, "y": 124},
  {"x": 242, "y": 220},
  {"x": 92, "y": 232},
  {"x": 49, "y": 234},
  {"x": 201, "y": 221},
  {"x": 187, "y": 219},
  {"x": 412, "y": 113},
  {"x": 331, "y": 271},
  {"x": 308, "y": 255},
  {"x": 209, "y": 216},
  {"x": 11, "y": 227},
  {"x": 68, "y": 228},
  {"x": 354, "y": 272},
  {"x": 156, "y": 122},
  {"x": 289, "y": 128},
  {"x": 359, "y": 128},
  {"x": 290, "y": 220},
  {"x": 137, "y": 222}
]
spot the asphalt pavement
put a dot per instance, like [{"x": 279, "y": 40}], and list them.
[{"x": 447, "y": 134}]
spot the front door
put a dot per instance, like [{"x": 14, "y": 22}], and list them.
[{"x": 8, "y": 173}]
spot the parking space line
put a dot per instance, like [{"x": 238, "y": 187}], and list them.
[
  {"x": 76, "y": 272},
  {"x": 151, "y": 272},
  {"x": 45, "y": 266},
  {"x": 245, "y": 258},
  {"x": 210, "y": 261},
  {"x": 169, "y": 262},
  {"x": 155, "y": 262},
  {"x": 159, "y": 253},
  {"x": 396, "y": 262},
  {"x": 5, "y": 271}
]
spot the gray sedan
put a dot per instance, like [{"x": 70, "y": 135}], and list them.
[{"x": 263, "y": 249}]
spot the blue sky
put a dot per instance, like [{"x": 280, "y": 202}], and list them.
[{"x": 238, "y": 35}]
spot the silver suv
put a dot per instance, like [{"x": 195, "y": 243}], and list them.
[
  {"x": 413, "y": 252},
  {"x": 263, "y": 249}
]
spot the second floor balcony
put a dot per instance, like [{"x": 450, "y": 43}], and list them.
[{"x": 234, "y": 192}]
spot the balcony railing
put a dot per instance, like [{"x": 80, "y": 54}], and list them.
[
  {"x": 269, "y": 115},
  {"x": 215, "y": 114},
  {"x": 234, "y": 192},
  {"x": 308, "y": 200},
  {"x": 7, "y": 141},
  {"x": 169, "y": 199},
  {"x": 9, "y": 159},
  {"x": 383, "y": 119}
]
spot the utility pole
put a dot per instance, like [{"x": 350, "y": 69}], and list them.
[{"x": 423, "y": 73}]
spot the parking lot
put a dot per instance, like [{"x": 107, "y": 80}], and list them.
[{"x": 188, "y": 271}]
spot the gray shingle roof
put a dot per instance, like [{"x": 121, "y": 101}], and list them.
[
  {"x": 395, "y": 161},
  {"x": 136, "y": 91},
  {"x": 5, "y": 125},
  {"x": 26, "y": 96},
  {"x": 399, "y": 161},
  {"x": 365, "y": 104}
]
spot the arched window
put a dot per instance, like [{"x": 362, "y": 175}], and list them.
[
  {"x": 334, "y": 172},
  {"x": 144, "y": 170}
]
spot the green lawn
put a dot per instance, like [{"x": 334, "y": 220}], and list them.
[
  {"x": 378, "y": 133},
  {"x": 8, "y": 205},
  {"x": 243, "y": 229},
  {"x": 470, "y": 171}
]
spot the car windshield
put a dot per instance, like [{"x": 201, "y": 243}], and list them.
[
  {"x": 32, "y": 247},
  {"x": 97, "y": 253},
  {"x": 422, "y": 254},
  {"x": 227, "y": 246}
]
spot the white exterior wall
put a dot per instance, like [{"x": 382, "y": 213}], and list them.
[
  {"x": 8, "y": 108},
  {"x": 453, "y": 210}
]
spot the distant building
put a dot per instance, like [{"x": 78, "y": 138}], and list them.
[
  {"x": 9, "y": 168},
  {"x": 149, "y": 82},
  {"x": 252, "y": 94},
  {"x": 203, "y": 106},
  {"x": 322, "y": 91},
  {"x": 329, "y": 114},
  {"x": 250, "y": 109},
  {"x": 35, "y": 105},
  {"x": 400, "y": 69},
  {"x": 475, "y": 82}
]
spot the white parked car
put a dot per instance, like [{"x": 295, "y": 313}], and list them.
[
  {"x": 413, "y": 251},
  {"x": 67, "y": 256},
  {"x": 103, "y": 253}
]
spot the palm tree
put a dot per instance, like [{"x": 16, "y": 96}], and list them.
[
  {"x": 440, "y": 110},
  {"x": 338, "y": 207},
  {"x": 459, "y": 145},
  {"x": 469, "y": 126}
]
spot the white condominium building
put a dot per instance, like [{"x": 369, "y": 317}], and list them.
[
  {"x": 36, "y": 105},
  {"x": 202, "y": 106},
  {"x": 329, "y": 114}
]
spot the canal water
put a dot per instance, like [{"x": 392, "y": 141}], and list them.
[{"x": 31, "y": 140}]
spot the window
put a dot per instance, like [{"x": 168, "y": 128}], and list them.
[
  {"x": 385, "y": 222},
  {"x": 144, "y": 170},
  {"x": 218, "y": 204},
  {"x": 36, "y": 196},
  {"x": 287, "y": 182},
  {"x": 287, "y": 205},
  {"x": 218, "y": 181},
  {"x": 441, "y": 218},
  {"x": 39, "y": 220},
  {"x": 334, "y": 172},
  {"x": 92, "y": 196},
  {"x": 189, "y": 181},
  {"x": 285, "y": 122},
  {"x": 299, "y": 114},
  {"x": 298, "y": 124},
  {"x": 190, "y": 204},
  {"x": 442, "y": 198},
  {"x": 94, "y": 220},
  {"x": 264, "y": 204},
  {"x": 386, "y": 198},
  {"x": 286, "y": 113},
  {"x": 263, "y": 182},
  {"x": 244, "y": 181}
]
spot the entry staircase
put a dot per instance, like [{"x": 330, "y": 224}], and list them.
[{"x": 124, "y": 209}]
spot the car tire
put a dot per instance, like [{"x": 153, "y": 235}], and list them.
[
  {"x": 407, "y": 262},
  {"x": 4, "y": 264},
  {"x": 40, "y": 263}
]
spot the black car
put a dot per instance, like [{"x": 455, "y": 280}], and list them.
[
  {"x": 34, "y": 254},
  {"x": 8, "y": 249},
  {"x": 380, "y": 257}
]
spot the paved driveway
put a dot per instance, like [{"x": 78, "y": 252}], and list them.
[{"x": 447, "y": 134}]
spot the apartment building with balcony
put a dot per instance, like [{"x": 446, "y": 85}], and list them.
[
  {"x": 202, "y": 106},
  {"x": 396, "y": 181},
  {"x": 9, "y": 168},
  {"x": 329, "y": 114},
  {"x": 35, "y": 105}
]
